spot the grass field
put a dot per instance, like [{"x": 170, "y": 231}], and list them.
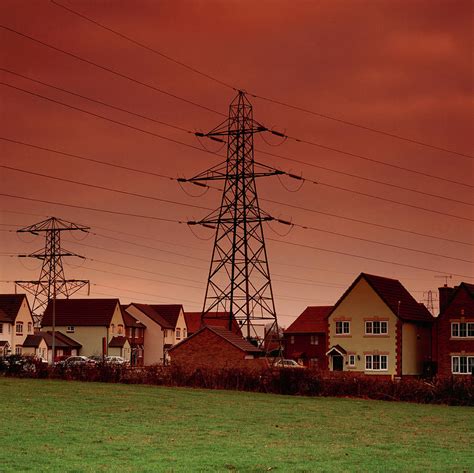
[{"x": 72, "y": 426}]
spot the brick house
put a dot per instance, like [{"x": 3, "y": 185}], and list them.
[
  {"x": 454, "y": 331},
  {"x": 92, "y": 322},
  {"x": 135, "y": 333},
  {"x": 305, "y": 339},
  {"x": 378, "y": 328},
  {"x": 16, "y": 323},
  {"x": 214, "y": 319},
  {"x": 216, "y": 347},
  {"x": 41, "y": 344}
]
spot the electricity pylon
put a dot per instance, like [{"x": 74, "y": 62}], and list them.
[
  {"x": 51, "y": 282},
  {"x": 239, "y": 283}
]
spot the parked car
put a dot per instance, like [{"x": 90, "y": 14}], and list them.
[
  {"x": 97, "y": 358},
  {"x": 288, "y": 364},
  {"x": 116, "y": 360},
  {"x": 77, "y": 361}
]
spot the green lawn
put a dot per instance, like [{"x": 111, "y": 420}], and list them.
[{"x": 72, "y": 426}]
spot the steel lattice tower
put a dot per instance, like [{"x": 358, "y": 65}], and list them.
[
  {"x": 51, "y": 282},
  {"x": 239, "y": 283}
]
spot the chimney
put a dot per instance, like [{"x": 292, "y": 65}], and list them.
[{"x": 445, "y": 294}]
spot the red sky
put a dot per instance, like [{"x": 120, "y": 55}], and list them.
[{"x": 400, "y": 66}]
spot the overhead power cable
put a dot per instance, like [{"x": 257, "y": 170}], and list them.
[
  {"x": 108, "y": 69},
  {"x": 261, "y": 97},
  {"x": 367, "y": 258},
  {"x": 286, "y": 158}
]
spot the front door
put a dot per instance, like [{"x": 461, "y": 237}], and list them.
[{"x": 337, "y": 363}]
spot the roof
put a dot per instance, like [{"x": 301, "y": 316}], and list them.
[
  {"x": 214, "y": 319},
  {"x": 4, "y": 343},
  {"x": 9, "y": 306},
  {"x": 395, "y": 296},
  {"x": 312, "y": 320},
  {"x": 61, "y": 340},
  {"x": 227, "y": 335},
  {"x": 80, "y": 312},
  {"x": 469, "y": 288},
  {"x": 170, "y": 312},
  {"x": 338, "y": 349},
  {"x": 151, "y": 313},
  {"x": 129, "y": 320},
  {"x": 117, "y": 342}
]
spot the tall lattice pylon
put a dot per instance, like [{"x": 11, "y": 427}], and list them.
[
  {"x": 51, "y": 282},
  {"x": 239, "y": 285}
]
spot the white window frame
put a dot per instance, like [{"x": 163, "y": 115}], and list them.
[
  {"x": 343, "y": 327},
  {"x": 370, "y": 327},
  {"x": 184, "y": 333},
  {"x": 178, "y": 334},
  {"x": 351, "y": 360},
  {"x": 18, "y": 350},
  {"x": 19, "y": 325},
  {"x": 314, "y": 340},
  {"x": 456, "y": 329},
  {"x": 70, "y": 329},
  {"x": 30, "y": 327},
  {"x": 373, "y": 360},
  {"x": 456, "y": 364}
]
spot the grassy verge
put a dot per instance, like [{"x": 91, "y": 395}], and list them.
[{"x": 73, "y": 426}]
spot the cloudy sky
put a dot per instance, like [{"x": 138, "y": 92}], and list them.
[{"x": 401, "y": 67}]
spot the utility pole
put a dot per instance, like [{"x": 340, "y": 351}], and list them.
[
  {"x": 51, "y": 282},
  {"x": 239, "y": 283}
]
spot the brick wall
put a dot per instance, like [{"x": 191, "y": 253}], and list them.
[
  {"x": 208, "y": 350},
  {"x": 302, "y": 344},
  {"x": 460, "y": 309}
]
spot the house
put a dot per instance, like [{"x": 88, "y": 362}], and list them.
[
  {"x": 378, "y": 328},
  {"x": 92, "y": 322},
  {"x": 214, "y": 319},
  {"x": 16, "y": 323},
  {"x": 305, "y": 339},
  {"x": 41, "y": 344},
  {"x": 454, "y": 330},
  {"x": 120, "y": 346},
  {"x": 135, "y": 333},
  {"x": 216, "y": 347},
  {"x": 159, "y": 332},
  {"x": 174, "y": 315}
]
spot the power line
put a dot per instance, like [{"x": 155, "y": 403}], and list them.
[
  {"x": 364, "y": 257},
  {"x": 107, "y": 69},
  {"x": 108, "y": 189},
  {"x": 210, "y": 152},
  {"x": 358, "y": 156},
  {"x": 278, "y": 102}
]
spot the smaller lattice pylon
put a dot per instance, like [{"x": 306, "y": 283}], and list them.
[{"x": 52, "y": 282}]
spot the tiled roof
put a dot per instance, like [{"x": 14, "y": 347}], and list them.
[
  {"x": 214, "y": 319},
  {"x": 395, "y": 296},
  {"x": 312, "y": 320},
  {"x": 153, "y": 315},
  {"x": 80, "y": 312},
  {"x": 170, "y": 312},
  {"x": 10, "y": 305},
  {"x": 129, "y": 320},
  {"x": 61, "y": 340},
  {"x": 469, "y": 288},
  {"x": 117, "y": 342},
  {"x": 231, "y": 337}
]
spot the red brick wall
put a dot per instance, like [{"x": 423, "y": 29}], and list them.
[
  {"x": 446, "y": 345},
  {"x": 208, "y": 350},
  {"x": 303, "y": 344}
]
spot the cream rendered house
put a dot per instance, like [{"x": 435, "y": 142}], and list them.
[
  {"x": 91, "y": 322},
  {"x": 16, "y": 323},
  {"x": 378, "y": 328}
]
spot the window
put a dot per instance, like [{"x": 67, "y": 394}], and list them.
[
  {"x": 178, "y": 334},
  {"x": 462, "y": 329},
  {"x": 314, "y": 340},
  {"x": 292, "y": 339},
  {"x": 462, "y": 364},
  {"x": 30, "y": 327},
  {"x": 120, "y": 329},
  {"x": 112, "y": 328},
  {"x": 1, "y": 328},
  {"x": 19, "y": 328},
  {"x": 376, "y": 362},
  {"x": 184, "y": 333},
  {"x": 352, "y": 360},
  {"x": 70, "y": 329},
  {"x": 165, "y": 333},
  {"x": 376, "y": 327},
  {"x": 343, "y": 327},
  {"x": 18, "y": 350}
]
